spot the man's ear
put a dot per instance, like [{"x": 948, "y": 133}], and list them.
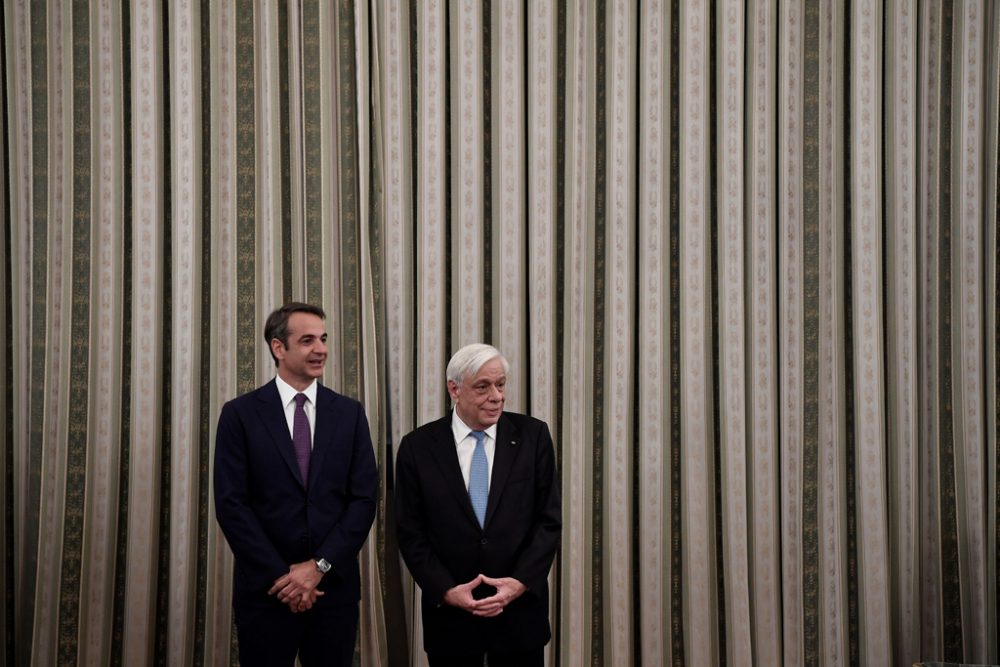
[
  {"x": 277, "y": 349},
  {"x": 453, "y": 390}
]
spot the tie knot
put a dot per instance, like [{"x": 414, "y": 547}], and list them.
[
  {"x": 300, "y": 399},
  {"x": 480, "y": 436}
]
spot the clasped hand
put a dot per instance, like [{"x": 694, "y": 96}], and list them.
[
  {"x": 298, "y": 589},
  {"x": 508, "y": 590}
]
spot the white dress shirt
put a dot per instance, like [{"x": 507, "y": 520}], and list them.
[
  {"x": 287, "y": 393},
  {"x": 466, "y": 444}
]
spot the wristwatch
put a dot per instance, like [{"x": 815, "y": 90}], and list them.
[{"x": 323, "y": 565}]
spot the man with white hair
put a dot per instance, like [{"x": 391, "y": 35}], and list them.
[{"x": 478, "y": 519}]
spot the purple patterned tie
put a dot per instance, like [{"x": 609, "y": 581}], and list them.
[{"x": 301, "y": 438}]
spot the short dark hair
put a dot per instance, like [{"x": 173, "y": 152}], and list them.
[{"x": 277, "y": 323}]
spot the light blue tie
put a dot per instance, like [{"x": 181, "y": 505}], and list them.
[{"x": 479, "y": 477}]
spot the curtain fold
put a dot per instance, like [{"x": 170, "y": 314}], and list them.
[{"x": 742, "y": 257}]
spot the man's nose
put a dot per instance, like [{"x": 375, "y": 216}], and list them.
[{"x": 496, "y": 393}]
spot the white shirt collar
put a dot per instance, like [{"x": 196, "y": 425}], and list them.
[
  {"x": 461, "y": 430},
  {"x": 288, "y": 392}
]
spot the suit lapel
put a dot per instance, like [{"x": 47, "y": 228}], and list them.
[
  {"x": 503, "y": 460},
  {"x": 326, "y": 426},
  {"x": 272, "y": 414},
  {"x": 446, "y": 457}
]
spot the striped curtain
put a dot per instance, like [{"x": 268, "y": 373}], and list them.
[{"x": 742, "y": 256}]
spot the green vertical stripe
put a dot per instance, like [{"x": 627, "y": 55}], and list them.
[
  {"x": 161, "y": 623},
  {"x": 950, "y": 574},
  {"x": 996, "y": 360},
  {"x": 446, "y": 136},
  {"x": 350, "y": 316},
  {"x": 995, "y": 369},
  {"x": 285, "y": 169},
  {"x": 124, "y": 468},
  {"x": 39, "y": 303},
  {"x": 76, "y": 452},
  {"x": 714, "y": 316},
  {"x": 560, "y": 220},
  {"x": 386, "y": 548},
  {"x": 850, "y": 454},
  {"x": 415, "y": 149},
  {"x": 600, "y": 268},
  {"x": 560, "y": 274},
  {"x": 246, "y": 177},
  {"x": 204, "y": 418},
  {"x": 488, "y": 187},
  {"x": 312, "y": 145},
  {"x": 810, "y": 370},
  {"x": 676, "y": 569}
]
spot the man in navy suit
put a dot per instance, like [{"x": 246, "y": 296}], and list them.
[
  {"x": 480, "y": 544},
  {"x": 295, "y": 487}
]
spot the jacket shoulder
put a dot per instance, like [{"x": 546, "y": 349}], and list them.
[{"x": 525, "y": 422}]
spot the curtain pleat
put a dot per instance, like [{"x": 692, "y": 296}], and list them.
[{"x": 742, "y": 257}]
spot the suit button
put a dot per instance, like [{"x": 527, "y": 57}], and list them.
[{"x": 483, "y": 541}]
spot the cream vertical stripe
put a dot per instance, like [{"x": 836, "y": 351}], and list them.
[
  {"x": 60, "y": 159},
  {"x": 967, "y": 300},
  {"x": 510, "y": 266},
  {"x": 185, "y": 362},
  {"x": 147, "y": 325},
  {"x": 902, "y": 343},
  {"x": 372, "y": 621},
  {"x": 330, "y": 184},
  {"x": 7, "y": 544},
  {"x": 697, "y": 487},
  {"x": 543, "y": 202},
  {"x": 929, "y": 201},
  {"x": 394, "y": 67},
  {"x": 430, "y": 235},
  {"x": 431, "y": 256},
  {"x": 866, "y": 239},
  {"x": 269, "y": 168},
  {"x": 541, "y": 164},
  {"x": 464, "y": 34},
  {"x": 732, "y": 334},
  {"x": 831, "y": 459},
  {"x": 577, "y": 406},
  {"x": 654, "y": 326},
  {"x": 791, "y": 324},
  {"x": 103, "y": 460},
  {"x": 20, "y": 146},
  {"x": 223, "y": 384},
  {"x": 619, "y": 329},
  {"x": 296, "y": 139},
  {"x": 18, "y": 57},
  {"x": 760, "y": 167}
]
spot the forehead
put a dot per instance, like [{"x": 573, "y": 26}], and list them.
[
  {"x": 491, "y": 370},
  {"x": 300, "y": 324}
]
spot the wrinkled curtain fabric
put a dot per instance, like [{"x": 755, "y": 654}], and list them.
[{"x": 742, "y": 256}]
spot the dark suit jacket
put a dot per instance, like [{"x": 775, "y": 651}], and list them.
[
  {"x": 269, "y": 518},
  {"x": 443, "y": 544}
]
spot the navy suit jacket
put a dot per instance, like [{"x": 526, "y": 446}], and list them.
[
  {"x": 270, "y": 518},
  {"x": 443, "y": 544}
]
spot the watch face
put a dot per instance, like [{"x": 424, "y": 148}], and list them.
[{"x": 323, "y": 566}]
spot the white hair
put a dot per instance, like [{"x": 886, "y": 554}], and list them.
[{"x": 468, "y": 360}]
